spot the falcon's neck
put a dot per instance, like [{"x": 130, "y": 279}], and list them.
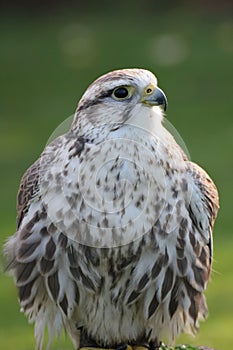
[
  {"x": 141, "y": 123},
  {"x": 147, "y": 119}
]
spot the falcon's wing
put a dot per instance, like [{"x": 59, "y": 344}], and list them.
[
  {"x": 204, "y": 202},
  {"x": 29, "y": 187},
  {"x": 30, "y": 183}
]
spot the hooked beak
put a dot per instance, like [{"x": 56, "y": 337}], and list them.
[{"x": 156, "y": 98}]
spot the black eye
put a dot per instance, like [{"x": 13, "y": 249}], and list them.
[{"x": 121, "y": 92}]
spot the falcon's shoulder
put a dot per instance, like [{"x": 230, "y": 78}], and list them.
[
  {"x": 28, "y": 189},
  {"x": 53, "y": 155},
  {"x": 30, "y": 183},
  {"x": 205, "y": 193}
]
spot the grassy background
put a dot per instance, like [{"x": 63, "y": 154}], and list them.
[{"x": 48, "y": 58}]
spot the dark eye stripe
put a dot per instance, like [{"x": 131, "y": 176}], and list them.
[{"x": 98, "y": 99}]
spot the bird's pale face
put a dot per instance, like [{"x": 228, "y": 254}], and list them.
[{"x": 116, "y": 97}]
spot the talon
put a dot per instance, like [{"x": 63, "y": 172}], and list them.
[{"x": 154, "y": 346}]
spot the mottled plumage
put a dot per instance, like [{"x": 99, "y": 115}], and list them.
[{"x": 114, "y": 227}]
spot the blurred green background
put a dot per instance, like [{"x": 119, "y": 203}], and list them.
[{"x": 52, "y": 50}]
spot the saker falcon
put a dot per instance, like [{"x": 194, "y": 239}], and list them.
[{"x": 114, "y": 225}]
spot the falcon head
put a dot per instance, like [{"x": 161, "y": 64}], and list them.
[{"x": 119, "y": 96}]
